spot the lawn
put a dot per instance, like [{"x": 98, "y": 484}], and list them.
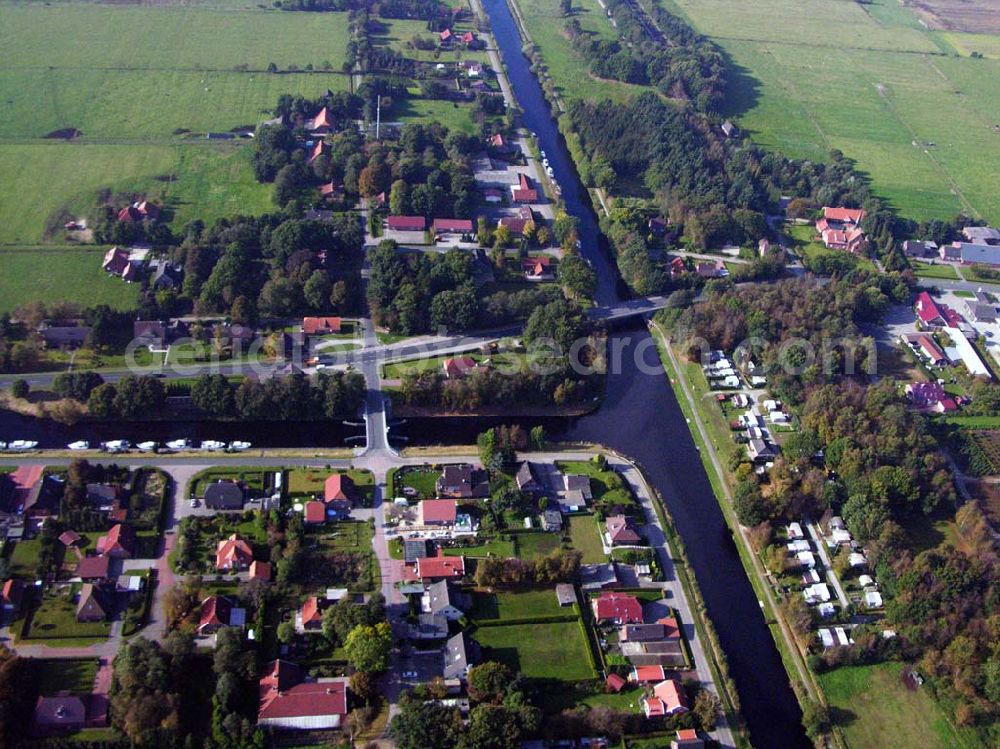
[
  {"x": 585, "y": 538},
  {"x": 536, "y": 545},
  {"x": 493, "y": 547},
  {"x": 24, "y": 557},
  {"x": 874, "y": 709},
  {"x": 927, "y": 270},
  {"x": 519, "y": 604},
  {"x": 206, "y": 181},
  {"x": 254, "y": 478},
  {"x": 423, "y": 481},
  {"x": 73, "y": 674},
  {"x": 920, "y": 123},
  {"x": 354, "y": 536},
  {"x": 541, "y": 651},
  {"x": 69, "y": 273},
  {"x": 55, "y": 618}
]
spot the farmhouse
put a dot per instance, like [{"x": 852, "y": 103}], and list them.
[
  {"x": 287, "y": 700},
  {"x": 321, "y": 124},
  {"x": 840, "y": 229},
  {"x": 930, "y": 396},
  {"x": 982, "y": 235},
  {"x": 538, "y": 268},
  {"x": 617, "y": 608},
  {"x": 982, "y": 254},
  {"x": 233, "y": 554},
  {"x": 64, "y": 336},
  {"x": 141, "y": 210},
  {"x": 118, "y": 262},
  {"x": 919, "y": 248}
]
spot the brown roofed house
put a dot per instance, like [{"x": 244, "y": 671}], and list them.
[
  {"x": 321, "y": 325},
  {"x": 90, "y": 569},
  {"x": 288, "y": 701},
  {"x": 622, "y": 530},
  {"x": 233, "y": 553},
  {"x": 11, "y": 595},
  {"x": 91, "y": 607}
]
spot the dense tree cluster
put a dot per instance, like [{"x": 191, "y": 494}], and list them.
[
  {"x": 677, "y": 60},
  {"x": 557, "y": 567},
  {"x": 292, "y": 397},
  {"x": 131, "y": 397}
]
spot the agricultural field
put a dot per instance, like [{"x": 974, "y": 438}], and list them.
[
  {"x": 569, "y": 70},
  {"x": 555, "y": 650},
  {"x": 70, "y": 273},
  {"x": 869, "y": 81},
  {"x": 870, "y": 704},
  {"x": 142, "y": 85}
]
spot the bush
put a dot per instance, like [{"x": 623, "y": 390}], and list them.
[{"x": 20, "y": 389}]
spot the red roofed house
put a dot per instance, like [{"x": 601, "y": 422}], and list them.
[
  {"x": 115, "y": 261},
  {"x": 497, "y": 141},
  {"x": 930, "y": 349},
  {"x": 677, "y": 267},
  {"x": 492, "y": 195},
  {"x": 615, "y": 682},
  {"x": 139, "y": 210},
  {"x": 437, "y": 512},
  {"x": 668, "y": 699},
  {"x": 233, "y": 554},
  {"x": 538, "y": 268},
  {"x": 445, "y": 36},
  {"x": 320, "y": 325},
  {"x": 317, "y": 150},
  {"x": 339, "y": 493},
  {"x": 69, "y": 538},
  {"x": 523, "y": 192},
  {"x": 458, "y": 366},
  {"x": 288, "y": 701},
  {"x": 840, "y": 229},
  {"x": 406, "y": 223},
  {"x": 216, "y": 613},
  {"x": 260, "y": 571},
  {"x": 331, "y": 191},
  {"x": 469, "y": 37},
  {"x": 517, "y": 223},
  {"x": 621, "y": 530},
  {"x": 322, "y": 123},
  {"x": 647, "y": 674},
  {"x": 119, "y": 543},
  {"x": 928, "y": 311},
  {"x": 94, "y": 568},
  {"x": 310, "y": 615},
  {"x": 687, "y": 738},
  {"x": 617, "y": 608},
  {"x": 429, "y": 569},
  {"x": 458, "y": 226},
  {"x": 11, "y": 594},
  {"x": 930, "y": 396}
]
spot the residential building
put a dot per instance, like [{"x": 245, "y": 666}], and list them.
[
  {"x": 617, "y": 608},
  {"x": 225, "y": 496},
  {"x": 218, "y": 612},
  {"x": 687, "y": 738},
  {"x": 664, "y": 629},
  {"x": 526, "y": 479},
  {"x": 552, "y": 521},
  {"x": 150, "y": 333},
  {"x": 91, "y": 606},
  {"x": 463, "y": 482},
  {"x": 460, "y": 654},
  {"x": 11, "y": 595},
  {"x": 406, "y": 223},
  {"x": 321, "y": 124},
  {"x": 918, "y": 248},
  {"x": 339, "y": 487},
  {"x": 452, "y": 227},
  {"x": 538, "y": 268},
  {"x": 321, "y": 325},
  {"x": 524, "y": 191},
  {"x": 439, "y": 512},
  {"x": 668, "y": 699},
  {"x": 840, "y": 229},
  {"x": 233, "y": 554},
  {"x": 577, "y": 482},
  {"x": 761, "y": 451},
  {"x": 930, "y": 396},
  {"x": 288, "y": 700},
  {"x": 62, "y": 713},
  {"x": 440, "y": 567},
  {"x": 981, "y": 311},
  {"x": 261, "y": 571},
  {"x": 622, "y": 531},
  {"x": 929, "y": 348},
  {"x": 977, "y": 254},
  {"x": 458, "y": 366},
  {"x": 647, "y": 675},
  {"x": 94, "y": 568},
  {"x": 314, "y": 513},
  {"x": 444, "y": 598},
  {"x": 310, "y": 616},
  {"x": 64, "y": 337},
  {"x": 119, "y": 543},
  {"x": 565, "y": 594},
  {"x": 518, "y": 221}
]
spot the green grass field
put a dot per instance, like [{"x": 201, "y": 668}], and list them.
[
  {"x": 537, "y": 545},
  {"x": 494, "y": 547},
  {"x": 520, "y": 604},
  {"x": 585, "y": 538},
  {"x": 55, "y": 618},
  {"x": 865, "y": 79},
  {"x": 69, "y": 274},
  {"x": 73, "y": 674},
  {"x": 568, "y": 69},
  {"x": 540, "y": 651},
  {"x": 926, "y": 270},
  {"x": 34, "y": 35},
  {"x": 874, "y": 709}
]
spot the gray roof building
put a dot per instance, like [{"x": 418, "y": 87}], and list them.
[
  {"x": 444, "y": 597},
  {"x": 460, "y": 654},
  {"x": 565, "y": 594},
  {"x": 981, "y": 234},
  {"x": 224, "y": 495},
  {"x": 985, "y": 254},
  {"x": 414, "y": 550}
]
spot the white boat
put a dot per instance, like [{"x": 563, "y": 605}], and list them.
[
  {"x": 3, "y": 445},
  {"x": 22, "y": 445},
  {"x": 147, "y": 447},
  {"x": 117, "y": 446},
  {"x": 80, "y": 445},
  {"x": 238, "y": 446},
  {"x": 179, "y": 444},
  {"x": 212, "y": 445},
  {"x": 543, "y": 154},
  {"x": 548, "y": 170}
]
